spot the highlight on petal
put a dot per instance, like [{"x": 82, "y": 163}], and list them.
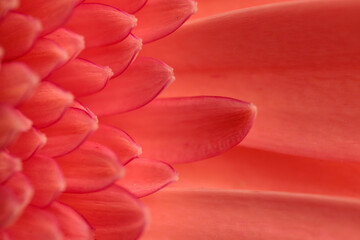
[
  {"x": 81, "y": 77},
  {"x": 46, "y": 178},
  {"x": 96, "y": 22},
  {"x": 17, "y": 83},
  {"x": 117, "y": 56},
  {"x": 35, "y": 223},
  {"x": 90, "y": 168},
  {"x": 47, "y": 104},
  {"x": 140, "y": 84},
  {"x": 8, "y": 166},
  {"x": 113, "y": 212},
  {"x": 52, "y": 14},
  {"x": 311, "y": 108},
  {"x": 18, "y": 33},
  {"x": 8, "y": 208},
  {"x": 69, "y": 132},
  {"x": 159, "y": 18},
  {"x": 129, "y": 6},
  {"x": 7, "y": 5},
  {"x": 118, "y": 141},
  {"x": 248, "y": 215},
  {"x": 144, "y": 176},
  {"x": 187, "y": 129}
]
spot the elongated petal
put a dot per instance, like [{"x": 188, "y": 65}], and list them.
[
  {"x": 8, "y": 166},
  {"x": 159, "y": 18},
  {"x": 52, "y": 14},
  {"x": 117, "y": 56},
  {"x": 90, "y": 168},
  {"x": 71, "y": 224},
  {"x": 114, "y": 213},
  {"x": 81, "y": 77},
  {"x": 140, "y": 84},
  {"x": 187, "y": 129},
  {"x": 69, "y": 132},
  {"x": 129, "y": 6},
  {"x": 18, "y": 33},
  {"x": 45, "y": 57},
  {"x": 47, "y": 105},
  {"x": 118, "y": 141},
  {"x": 144, "y": 176},
  {"x": 249, "y": 215},
  {"x": 7, "y": 5},
  {"x": 96, "y": 22},
  {"x": 8, "y": 208},
  {"x": 35, "y": 223},
  {"x": 304, "y": 77},
  {"x": 17, "y": 83}
]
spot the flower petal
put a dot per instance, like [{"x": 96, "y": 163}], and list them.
[
  {"x": 47, "y": 105},
  {"x": 303, "y": 75},
  {"x": 140, "y": 84},
  {"x": 17, "y": 83},
  {"x": 69, "y": 132},
  {"x": 7, "y": 5},
  {"x": 8, "y": 208},
  {"x": 8, "y": 166},
  {"x": 118, "y": 141},
  {"x": 210, "y": 214},
  {"x": 143, "y": 176},
  {"x": 96, "y": 22},
  {"x": 18, "y": 33},
  {"x": 129, "y": 6},
  {"x": 90, "y": 168},
  {"x": 187, "y": 129},
  {"x": 159, "y": 18},
  {"x": 79, "y": 73},
  {"x": 117, "y": 56},
  {"x": 46, "y": 178},
  {"x": 113, "y": 212}
]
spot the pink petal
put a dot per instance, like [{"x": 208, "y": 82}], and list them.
[
  {"x": 90, "y": 168},
  {"x": 81, "y": 77},
  {"x": 16, "y": 43},
  {"x": 143, "y": 176},
  {"x": 113, "y": 212},
  {"x": 69, "y": 132},
  {"x": 140, "y": 84},
  {"x": 45, "y": 57},
  {"x": 71, "y": 224},
  {"x": 46, "y": 178},
  {"x": 17, "y": 83},
  {"x": 248, "y": 215},
  {"x": 8, "y": 166},
  {"x": 117, "y": 56},
  {"x": 71, "y": 42},
  {"x": 12, "y": 123},
  {"x": 118, "y": 141},
  {"x": 47, "y": 104},
  {"x": 36, "y": 224},
  {"x": 159, "y": 18},
  {"x": 187, "y": 129},
  {"x": 52, "y": 14},
  {"x": 304, "y": 77},
  {"x": 7, "y": 5},
  {"x": 96, "y": 22},
  {"x": 129, "y": 6},
  {"x": 27, "y": 144}
]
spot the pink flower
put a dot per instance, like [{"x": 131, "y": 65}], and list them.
[{"x": 70, "y": 81}]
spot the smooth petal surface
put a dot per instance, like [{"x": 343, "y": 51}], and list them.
[
  {"x": 8, "y": 208},
  {"x": 96, "y": 22},
  {"x": 18, "y": 33},
  {"x": 8, "y": 166},
  {"x": 7, "y": 5},
  {"x": 117, "y": 56},
  {"x": 90, "y": 168},
  {"x": 251, "y": 215},
  {"x": 140, "y": 84},
  {"x": 129, "y": 6},
  {"x": 187, "y": 129},
  {"x": 159, "y": 18},
  {"x": 81, "y": 77},
  {"x": 302, "y": 75},
  {"x": 143, "y": 176},
  {"x": 113, "y": 213},
  {"x": 46, "y": 178},
  {"x": 69, "y": 132},
  {"x": 118, "y": 141},
  {"x": 47, "y": 104}
]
